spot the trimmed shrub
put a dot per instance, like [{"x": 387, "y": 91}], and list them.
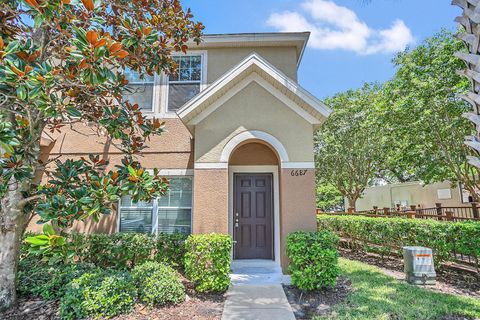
[
  {"x": 158, "y": 284},
  {"x": 118, "y": 250},
  {"x": 313, "y": 259},
  {"x": 47, "y": 281},
  {"x": 99, "y": 294},
  {"x": 126, "y": 250},
  {"x": 387, "y": 235},
  {"x": 170, "y": 248},
  {"x": 32, "y": 275},
  {"x": 207, "y": 261}
]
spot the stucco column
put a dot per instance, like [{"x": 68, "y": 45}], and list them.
[
  {"x": 297, "y": 195},
  {"x": 210, "y": 201}
]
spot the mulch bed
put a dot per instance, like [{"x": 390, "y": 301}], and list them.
[
  {"x": 449, "y": 280},
  {"x": 306, "y": 305},
  {"x": 32, "y": 309},
  {"x": 195, "y": 307},
  {"x": 198, "y": 308}
]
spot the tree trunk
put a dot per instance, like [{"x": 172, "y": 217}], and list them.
[
  {"x": 473, "y": 192},
  {"x": 12, "y": 226},
  {"x": 351, "y": 202},
  {"x": 13, "y": 222}
]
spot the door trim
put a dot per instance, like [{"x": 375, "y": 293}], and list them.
[{"x": 276, "y": 201}]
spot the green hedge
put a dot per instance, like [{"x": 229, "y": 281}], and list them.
[
  {"x": 207, "y": 261},
  {"x": 87, "y": 291},
  {"x": 158, "y": 284},
  {"x": 170, "y": 248},
  {"x": 37, "y": 278},
  {"x": 126, "y": 250},
  {"x": 384, "y": 235},
  {"x": 313, "y": 259},
  {"x": 99, "y": 294}
]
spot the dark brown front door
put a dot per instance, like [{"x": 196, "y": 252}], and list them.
[{"x": 253, "y": 216}]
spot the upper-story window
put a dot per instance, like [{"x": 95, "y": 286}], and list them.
[
  {"x": 184, "y": 85},
  {"x": 140, "y": 90}
]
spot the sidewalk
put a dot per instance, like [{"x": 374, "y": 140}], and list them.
[{"x": 256, "y": 293}]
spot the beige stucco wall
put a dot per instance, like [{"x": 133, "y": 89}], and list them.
[
  {"x": 106, "y": 224},
  {"x": 253, "y": 153},
  {"x": 210, "y": 201},
  {"x": 413, "y": 192},
  {"x": 221, "y": 60},
  {"x": 297, "y": 205},
  {"x": 253, "y": 108},
  {"x": 83, "y": 140}
]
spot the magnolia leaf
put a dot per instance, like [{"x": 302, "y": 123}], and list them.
[
  {"x": 73, "y": 112},
  {"x": 121, "y": 54},
  {"x": 89, "y": 5},
  {"x": 132, "y": 171},
  {"x": 38, "y": 20},
  {"x": 32, "y": 3},
  {"x": 7, "y": 147},
  {"x": 21, "y": 92},
  {"x": 115, "y": 47},
  {"x": 48, "y": 229},
  {"x": 36, "y": 241},
  {"x": 81, "y": 34},
  {"x": 92, "y": 36},
  {"x": 93, "y": 210}
]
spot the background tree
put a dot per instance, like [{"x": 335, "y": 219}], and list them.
[
  {"x": 422, "y": 115},
  {"x": 329, "y": 198},
  {"x": 62, "y": 63},
  {"x": 348, "y": 147}
]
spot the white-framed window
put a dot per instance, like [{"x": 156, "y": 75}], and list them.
[
  {"x": 187, "y": 82},
  {"x": 140, "y": 90},
  {"x": 135, "y": 217},
  {"x": 168, "y": 214},
  {"x": 174, "y": 210}
]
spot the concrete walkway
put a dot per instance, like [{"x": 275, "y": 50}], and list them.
[{"x": 256, "y": 292}]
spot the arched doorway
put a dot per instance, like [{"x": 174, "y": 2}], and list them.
[{"x": 254, "y": 200}]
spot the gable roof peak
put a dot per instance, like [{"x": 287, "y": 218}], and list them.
[{"x": 255, "y": 68}]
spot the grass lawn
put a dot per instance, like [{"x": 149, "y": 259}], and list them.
[{"x": 377, "y": 296}]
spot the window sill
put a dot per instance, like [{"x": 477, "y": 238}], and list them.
[{"x": 160, "y": 115}]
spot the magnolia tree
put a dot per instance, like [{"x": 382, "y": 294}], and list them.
[{"x": 62, "y": 63}]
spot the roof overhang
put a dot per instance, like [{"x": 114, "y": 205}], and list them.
[
  {"x": 252, "y": 40},
  {"x": 254, "y": 69}
]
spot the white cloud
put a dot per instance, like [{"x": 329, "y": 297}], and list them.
[{"x": 336, "y": 27}]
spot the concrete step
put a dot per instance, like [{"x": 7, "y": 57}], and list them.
[{"x": 257, "y": 272}]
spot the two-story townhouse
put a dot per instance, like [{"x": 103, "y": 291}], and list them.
[{"x": 238, "y": 148}]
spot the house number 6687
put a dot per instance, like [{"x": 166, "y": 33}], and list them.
[{"x": 297, "y": 173}]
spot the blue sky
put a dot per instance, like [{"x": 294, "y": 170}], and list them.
[{"x": 375, "y": 29}]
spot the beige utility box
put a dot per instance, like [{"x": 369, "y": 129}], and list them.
[{"x": 418, "y": 265}]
